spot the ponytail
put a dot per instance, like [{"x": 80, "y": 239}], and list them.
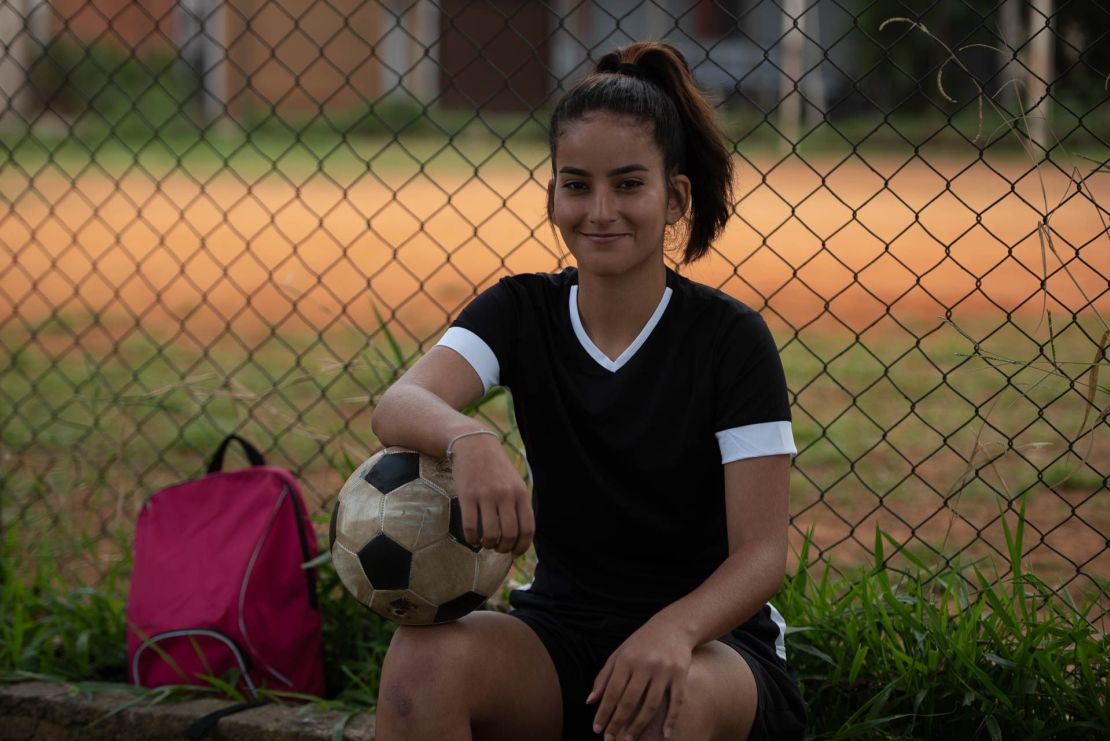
[{"x": 651, "y": 81}]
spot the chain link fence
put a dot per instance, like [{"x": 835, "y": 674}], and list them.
[{"x": 249, "y": 215}]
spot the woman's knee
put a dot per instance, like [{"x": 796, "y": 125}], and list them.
[
  {"x": 423, "y": 650},
  {"x": 718, "y": 703},
  {"x": 423, "y": 664},
  {"x": 486, "y": 670}
]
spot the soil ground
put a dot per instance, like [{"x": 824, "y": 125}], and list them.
[
  {"x": 920, "y": 238},
  {"x": 840, "y": 246}
]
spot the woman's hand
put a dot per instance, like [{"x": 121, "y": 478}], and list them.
[
  {"x": 495, "y": 503},
  {"x": 648, "y": 669}
]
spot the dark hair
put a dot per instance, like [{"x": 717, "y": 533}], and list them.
[{"x": 651, "y": 81}]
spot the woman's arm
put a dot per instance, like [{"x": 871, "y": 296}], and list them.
[
  {"x": 656, "y": 658},
  {"x": 421, "y": 411},
  {"x": 757, "y": 512}
]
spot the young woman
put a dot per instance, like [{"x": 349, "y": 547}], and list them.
[{"x": 655, "y": 417}]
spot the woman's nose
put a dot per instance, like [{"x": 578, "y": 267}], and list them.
[{"x": 602, "y": 206}]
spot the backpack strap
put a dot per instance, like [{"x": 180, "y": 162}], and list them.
[
  {"x": 253, "y": 456},
  {"x": 201, "y": 726}
]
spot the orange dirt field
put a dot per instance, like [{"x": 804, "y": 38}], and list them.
[
  {"x": 272, "y": 251},
  {"x": 302, "y": 252}
]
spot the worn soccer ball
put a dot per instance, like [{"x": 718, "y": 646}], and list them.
[{"x": 397, "y": 542}]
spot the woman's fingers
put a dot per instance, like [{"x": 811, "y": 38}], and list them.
[
  {"x": 496, "y": 507},
  {"x": 491, "y": 527},
  {"x": 600, "y": 682},
  {"x": 470, "y": 521},
  {"x": 510, "y": 527},
  {"x": 526, "y": 520},
  {"x": 625, "y": 707},
  {"x": 654, "y": 698},
  {"x": 608, "y": 688},
  {"x": 674, "y": 705}
]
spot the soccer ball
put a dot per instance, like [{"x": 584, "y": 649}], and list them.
[{"x": 397, "y": 542}]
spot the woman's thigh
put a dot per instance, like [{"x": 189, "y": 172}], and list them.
[
  {"x": 728, "y": 681},
  {"x": 487, "y": 671},
  {"x": 720, "y": 699}
]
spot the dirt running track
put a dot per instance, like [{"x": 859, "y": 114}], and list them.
[
  {"x": 177, "y": 251},
  {"x": 247, "y": 256}
]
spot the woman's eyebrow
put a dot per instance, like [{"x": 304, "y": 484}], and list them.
[{"x": 623, "y": 170}]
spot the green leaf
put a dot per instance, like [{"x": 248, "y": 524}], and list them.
[
  {"x": 321, "y": 559},
  {"x": 857, "y": 663},
  {"x": 398, "y": 356},
  {"x": 993, "y": 728},
  {"x": 226, "y": 688},
  {"x": 489, "y": 396},
  {"x": 341, "y": 726},
  {"x": 1005, "y": 663},
  {"x": 813, "y": 651}
]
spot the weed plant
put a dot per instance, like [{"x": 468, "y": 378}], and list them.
[
  {"x": 948, "y": 652},
  {"x": 921, "y": 653},
  {"x": 50, "y": 628}
]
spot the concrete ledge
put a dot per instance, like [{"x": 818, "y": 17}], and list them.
[{"x": 46, "y": 711}]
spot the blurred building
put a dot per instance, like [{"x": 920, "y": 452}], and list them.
[
  {"x": 301, "y": 56},
  {"x": 23, "y": 31},
  {"x": 512, "y": 54},
  {"x": 288, "y": 55}
]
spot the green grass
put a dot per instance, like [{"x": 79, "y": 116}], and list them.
[
  {"x": 50, "y": 628},
  {"x": 945, "y": 653},
  {"x": 292, "y": 153},
  {"x": 918, "y": 654},
  {"x": 475, "y": 146},
  {"x": 895, "y": 424},
  {"x": 929, "y": 433}
]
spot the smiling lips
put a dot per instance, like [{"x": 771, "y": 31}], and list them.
[{"x": 603, "y": 238}]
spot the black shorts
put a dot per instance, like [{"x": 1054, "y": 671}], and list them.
[{"x": 579, "y": 650}]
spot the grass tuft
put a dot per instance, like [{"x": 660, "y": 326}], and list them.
[
  {"x": 944, "y": 653},
  {"x": 913, "y": 653}
]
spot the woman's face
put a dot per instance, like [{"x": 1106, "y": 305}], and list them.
[{"x": 610, "y": 199}]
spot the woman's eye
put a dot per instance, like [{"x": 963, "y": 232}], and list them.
[
  {"x": 630, "y": 184},
  {"x": 574, "y": 185}
]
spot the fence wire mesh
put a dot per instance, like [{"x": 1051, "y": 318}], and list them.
[{"x": 250, "y": 215}]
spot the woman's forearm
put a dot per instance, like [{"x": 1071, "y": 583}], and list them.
[
  {"x": 413, "y": 417},
  {"x": 756, "y": 510},
  {"x": 420, "y": 410},
  {"x": 738, "y": 588}
]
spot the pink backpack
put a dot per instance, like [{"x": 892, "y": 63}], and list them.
[{"x": 218, "y": 586}]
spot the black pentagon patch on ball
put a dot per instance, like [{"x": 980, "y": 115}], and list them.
[
  {"x": 456, "y": 526},
  {"x": 393, "y": 470},
  {"x": 456, "y": 608},
  {"x": 385, "y": 563},
  {"x": 331, "y": 527}
]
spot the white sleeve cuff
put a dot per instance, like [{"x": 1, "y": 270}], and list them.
[
  {"x": 752, "y": 441},
  {"x": 476, "y": 352}
]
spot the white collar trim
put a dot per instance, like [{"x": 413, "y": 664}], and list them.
[{"x": 592, "y": 350}]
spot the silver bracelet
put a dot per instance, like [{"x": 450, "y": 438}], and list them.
[{"x": 456, "y": 438}]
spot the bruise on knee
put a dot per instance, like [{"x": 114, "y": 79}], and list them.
[
  {"x": 410, "y": 663},
  {"x": 400, "y": 703}
]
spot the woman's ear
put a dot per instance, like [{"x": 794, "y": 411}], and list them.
[{"x": 678, "y": 198}]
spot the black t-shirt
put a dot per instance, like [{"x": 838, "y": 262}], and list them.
[{"x": 626, "y": 455}]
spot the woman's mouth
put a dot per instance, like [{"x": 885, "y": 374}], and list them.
[{"x": 603, "y": 238}]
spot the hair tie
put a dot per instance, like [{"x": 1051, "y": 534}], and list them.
[{"x": 630, "y": 69}]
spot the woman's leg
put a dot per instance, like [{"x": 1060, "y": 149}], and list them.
[
  {"x": 486, "y": 676},
  {"x": 727, "y": 701},
  {"x": 720, "y": 702}
]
